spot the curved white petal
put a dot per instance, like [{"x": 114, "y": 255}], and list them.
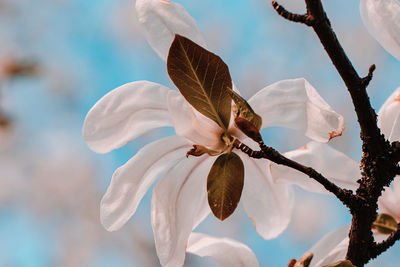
[
  {"x": 296, "y": 104},
  {"x": 323, "y": 159},
  {"x": 162, "y": 19},
  {"x": 191, "y": 124},
  {"x": 389, "y": 201},
  {"x": 268, "y": 205},
  {"x": 382, "y": 20},
  {"x": 178, "y": 205},
  {"x": 331, "y": 248},
  {"x": 131, "y": 181},
  {"x": 124, "y": 114},
  {"x": 227, "y": 252},
  {"x": 389, "y": 117}
]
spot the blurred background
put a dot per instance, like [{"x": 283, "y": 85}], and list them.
[{"x": 58, "y": 57}]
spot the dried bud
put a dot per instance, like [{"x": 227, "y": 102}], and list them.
[
  {"x": 304, "y": 260},
  {"x": 248, "y": 129},
  {"x": 4, "y": 121},
  {"x": 19, "y": 68},
  {"x": 199, "y": 150},
  {"x": 291, "y": 263}
]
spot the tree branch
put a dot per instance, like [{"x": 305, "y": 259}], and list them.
[
  {"x": 345, "y": 196},
  {"x": 379, "y": 162}
]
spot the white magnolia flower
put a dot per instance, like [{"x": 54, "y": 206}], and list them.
[{"x": 179, "y": 200}]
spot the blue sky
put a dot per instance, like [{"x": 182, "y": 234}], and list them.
[{"x": 86, "y": 48}]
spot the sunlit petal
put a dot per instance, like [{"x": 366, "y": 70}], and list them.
[
  {"x": 131, "y": 181},
  {"x": 323, "y": 159},
  {"x": 227, "y": 252},
  {"x": 161, "y": 20},
  {"x": 178, "y": 205},
  {"x": 331, "y": 248},
  {"x": 124, "y": 114},
  {"x": 296, "y": 104},
  {"x": 268, "y": 205},
  {"x": 389, "y": 117},
  {"x": 382, "y": 20}
]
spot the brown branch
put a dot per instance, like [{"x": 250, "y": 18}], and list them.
[
  {"x": 345, "y": 196},
  {"x": 386, "y": 244},
  {"x": 379, "y": 162},
  {"x": 396, "y": 151}
]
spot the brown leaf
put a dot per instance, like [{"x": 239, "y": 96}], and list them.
[
  {"x": 225, "y": 184},
  {"x": 202, "y": 78},
  {"x": 245, "y": 111}
]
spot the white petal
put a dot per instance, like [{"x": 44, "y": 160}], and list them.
[
  {"x": 162, "y": 19},
  {"x": 296, "y": 104},
  {"x": 124, "y": 114},
  {"x": 389, "y": 117},
  {"x": 382, "y": 20},
  {"x": 331, "y": 248},
  {"x": 178, "y": 205},
  {"x": 268, "y": 205},
  {"x": 131, "y": 181},
  {"x": 191, "y": 124},
  {"x": 227, "y": 252},
  {"x": 323, "y": 159},
  {"x": 389, "y": 201}
]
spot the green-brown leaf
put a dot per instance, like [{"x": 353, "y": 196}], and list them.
[
  {"x": 385, "y": 224},
  {"x": 245, "y": 111},
  {"x": 225, "y": 184},
  {"x": 345, "y": 263},
  {"x": 202, "y": 78}
]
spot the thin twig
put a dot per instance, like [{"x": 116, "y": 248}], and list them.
[
  {"x": 300, "y": 18},
  {"x": 345, "y": 196}
]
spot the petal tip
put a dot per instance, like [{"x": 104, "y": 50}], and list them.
[
  {"x": 334, "y": 134},
  {"x": 305, "y": 147},
  {"x": 165, "y": 2},
  {"x": 397, "y": 98},
  {"x": 254, "y": 223}
]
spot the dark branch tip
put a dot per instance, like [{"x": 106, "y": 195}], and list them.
[
  {"x": 305, "y": 19},
  {"x": 366, "y": 80}
]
